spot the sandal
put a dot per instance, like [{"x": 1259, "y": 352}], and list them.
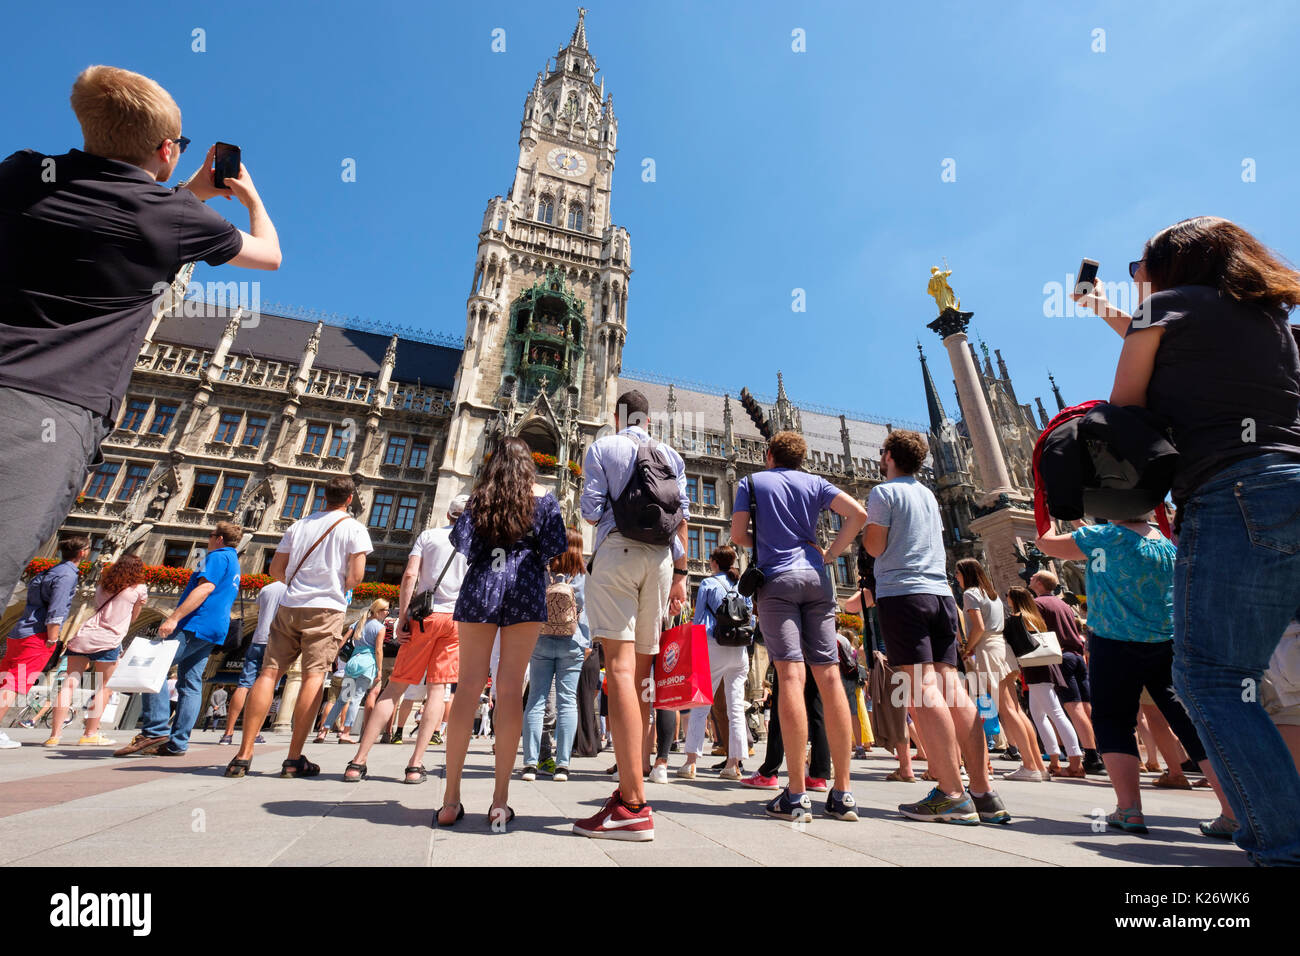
[
  {"x": 1151, "y": 767},
  {"x": 1067, "y": 772},
  {"x": 897, "y": 777},
  {"x": 360, "y": 768},
  {"x": 419, "y": 771},
  {"x": 347, "y": 740},
  {"x": 238, "y": 768},
  {"x": 1220, "y": 828},
  {"x": 321, "y": 738},
  {"x": 929, "y": 776},
  {"x": 510, "y": 815},
  {"x": 302, "y": 767},
  {"x": 460, "y": 815},
  {"x": 1165, "y": 782}
]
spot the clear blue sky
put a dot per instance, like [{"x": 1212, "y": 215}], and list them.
[{"x": 776, "y": 170}]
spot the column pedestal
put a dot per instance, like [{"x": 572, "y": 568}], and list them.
[{"x": 1003, "y": 531}]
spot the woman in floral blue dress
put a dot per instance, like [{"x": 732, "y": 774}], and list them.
[{"x": 509, "y": 531}]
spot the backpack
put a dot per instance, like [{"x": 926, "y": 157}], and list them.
[
  {"x": 650, "y": 508},
  {"x": 732, "y": 626},
  {"x": 561, "y": 608}
]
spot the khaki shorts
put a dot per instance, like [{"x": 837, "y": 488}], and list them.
[
  {"x": 313, "y": 632},
  {"x": 1279, "y": 691},
  {"x": 627, "y": 592}
]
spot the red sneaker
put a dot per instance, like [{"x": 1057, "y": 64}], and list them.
[
  {"x": 616, "y": 822},
  {"x": 816, "y": 783},
  {"x": 760, "y": 782}
]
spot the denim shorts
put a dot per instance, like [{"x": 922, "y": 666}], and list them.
[
  {"x": 252, "y": 664},
  {"x": 99, "y": 657}
]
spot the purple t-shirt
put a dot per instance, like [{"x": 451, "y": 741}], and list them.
[{"x": 789, "y": 503}]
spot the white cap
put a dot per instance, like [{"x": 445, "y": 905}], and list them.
[{"x": 457, "y": 505}]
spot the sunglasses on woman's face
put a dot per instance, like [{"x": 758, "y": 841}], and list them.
[{"x": 1133, "y": 268}]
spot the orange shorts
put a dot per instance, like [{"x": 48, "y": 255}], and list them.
[{"x": 432, "y": 655}]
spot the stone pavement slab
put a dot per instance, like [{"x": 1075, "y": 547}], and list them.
[{"x": 73, "y": 806}]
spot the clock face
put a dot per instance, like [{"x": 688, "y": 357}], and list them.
[{"x": 566, "y": 162}]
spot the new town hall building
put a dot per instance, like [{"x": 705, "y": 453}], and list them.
[{"x": 245, "y": 416}]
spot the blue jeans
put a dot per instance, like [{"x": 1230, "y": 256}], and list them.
[
  {"x": 559, "y": 659},
  {"x": 191, "y": 658},
  {"x": 1236, "y": 586},
  {"x": 353, "y": 692}
]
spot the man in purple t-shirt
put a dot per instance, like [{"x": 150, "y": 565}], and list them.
[
  {"x": 1076, "y": 696},
  {"x": 796, "y": 609}
]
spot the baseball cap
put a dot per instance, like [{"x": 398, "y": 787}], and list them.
[{"x": 457, "y": 505}]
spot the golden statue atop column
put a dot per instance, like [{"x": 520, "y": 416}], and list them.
[{"x": 942, "y": 291}]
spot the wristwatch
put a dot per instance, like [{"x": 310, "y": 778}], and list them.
[{"x": 682, "y": 571}]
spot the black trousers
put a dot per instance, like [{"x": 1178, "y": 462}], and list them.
[
  {"x": 1118, "y": 671},
  {"x": 819, "y": 763},
  {"x": 586, "y": 742}
]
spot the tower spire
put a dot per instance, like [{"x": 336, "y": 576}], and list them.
[
  {"x": 1060, "y": 402},
  {"x": 932, "y": 401},
  {"x": 579, "y": 39}
]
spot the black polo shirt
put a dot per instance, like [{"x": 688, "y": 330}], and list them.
[{"x": 83, "y": 242}]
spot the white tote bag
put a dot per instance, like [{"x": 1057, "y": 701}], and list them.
[
  {"x": 143, "y": 668},
  {"x": 1048, "y": 651}
]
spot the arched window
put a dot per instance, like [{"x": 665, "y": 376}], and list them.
[
  {"x": 546, "y": 210},
  {"x": 575, "y": 217}
]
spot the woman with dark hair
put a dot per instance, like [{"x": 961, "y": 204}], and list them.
[
  {"x": 1210, "y": 350},
  {"x": 728, "y": 666},
  {"x": 1044, "y": 703},
  {"x": 119, "y": 599},
  {"x": 508, "y": 532},
  {"x": 993, "y": 667},
  {"x": 558, "y": 656}
]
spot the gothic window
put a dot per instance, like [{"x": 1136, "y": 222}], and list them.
[
  {"x": 318, "y": 500},
  {"x": 228, "y": 427},
  {"x": 710, "y": 543},
  {"x": 176, "y": 554},
  {"x": 232, "y": 489},
  {"x": 254, "y": 430},
  {"x": 693, "y": 543},
  {"x": 295, "y": 500},
  {"x": 692, "y": 488},
  {"x": 396, "y": 451},
  {"x": 136, "y": 409},
  {"x": 407, "y": 506},
  {"x": 339, "y": 443},
  {"x": 546, "y": 210},
  {"x": 315, "y": 440},
  {"x": 381, "y": 510},
  {"x": 135, "y": 476},
  {"x": 101, "y": 482},
  {"x": 162, "y": 419},
  {"x": 204, "y": 484},
  {"x": 575, "y": 218}
]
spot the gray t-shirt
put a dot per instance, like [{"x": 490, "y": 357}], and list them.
[
  {"x": 913, "y": 559},
  {"x": 973, "y": 599}
]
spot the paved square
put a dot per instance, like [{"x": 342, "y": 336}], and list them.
[{"x": 75, "y": 806}]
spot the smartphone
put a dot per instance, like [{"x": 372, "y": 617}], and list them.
[
  {"x": 1087, "y": 277},
  {"x": 227, "y": 164}
]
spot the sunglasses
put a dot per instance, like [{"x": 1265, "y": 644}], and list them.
[
  {"x": 181, "y": 143},
  {"x": 1133, "y": 268}
]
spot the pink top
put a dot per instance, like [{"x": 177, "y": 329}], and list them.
[{"x": 106, "y": 628}]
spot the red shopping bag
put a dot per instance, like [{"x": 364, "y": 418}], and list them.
[{"x": 681, "y": 673}]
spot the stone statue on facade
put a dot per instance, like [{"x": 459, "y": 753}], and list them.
[{"x": 159, "y": 503}]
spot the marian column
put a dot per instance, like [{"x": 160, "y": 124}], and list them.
[{"x": 1006, "y": 523}]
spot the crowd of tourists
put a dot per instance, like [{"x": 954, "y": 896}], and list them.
[{"x": 1183, "y": 640}]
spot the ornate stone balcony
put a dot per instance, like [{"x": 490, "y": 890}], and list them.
[
  {"x": 220, "y": 448},
  {"x": 307, "y": 460},
  {"x": 332, "y": 463},
  {"x": 190, "y": 516},
  {"x": 247, "y": 452}
]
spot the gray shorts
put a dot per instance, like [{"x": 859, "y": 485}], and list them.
[
  {"x": 796, "y": 613},
  {"x": 48, "y": 447}
]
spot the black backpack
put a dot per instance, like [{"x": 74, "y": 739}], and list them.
[
  {"x": 650, "y": 508},
  {"x": 732, "y": 625}
]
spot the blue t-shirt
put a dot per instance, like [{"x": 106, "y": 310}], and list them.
[
  {"x": 709, "y": 598},
  {"x": 211, "y": 620},
  {"x": 362, "y": 663},
  {"x": 913, "y": 559},
  {"x": 1130, "y": 582},
  {"x": 49, "y": 598},
  {"x": 789, "y": 503}
]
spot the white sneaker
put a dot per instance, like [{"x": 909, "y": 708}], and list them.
[
  {"x": 1024, "y": 773},
  {"x": 659, "y": 773},
  {"x": 730, "y": 773},
  {"x": 6, "y": 743},
  {"x": 686, "y": 771}
]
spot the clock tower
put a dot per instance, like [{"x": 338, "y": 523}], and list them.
[{"x": 547, "y": 311}]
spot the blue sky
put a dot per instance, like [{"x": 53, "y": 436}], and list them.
[{"x": 775, "y": 170}]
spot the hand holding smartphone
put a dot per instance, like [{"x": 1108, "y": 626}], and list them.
[{"x": 1086, "y": 279}]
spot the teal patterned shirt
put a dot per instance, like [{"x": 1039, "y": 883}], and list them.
[{"x": 1130, "y": 581}]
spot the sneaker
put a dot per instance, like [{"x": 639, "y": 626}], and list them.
[
  {"x": 547, "y": 766},
  {"x": 816, "y": 784},
  {"x": 1024, "y": 773},
  {"x": 842, "y": 808},
  {"x": 659, "y": 773},
  {"x": 138, "y": 743},
  {"x": 226, "y": 740},
  {"x": 1094, "y": 767},
  {"x": 991, "y": 808},
  {"x": 730, "y": 773},
  {"x": 941, "y": 808},
  {"x": 686, "y": 771},
  {"x": 165, "y": 750},
  {"x": 615, "y": 821},
  {"x": 6, "y": 743},
  {"x": 717, "y": 752},
  {"x": 785, "y": 807},
  {"x": 859, "y": 753},
  {"x": 95, "y": 740},
  {"x": 1011, "y": 753},
  {"x": 760, "y": 782},
  {"x": 561, "y": 774},
  {"x": 1128, "y": 819},
  {"x": 29, "y": 724},
  {"x": 436, "y": 739},
  {"x": 397, "y": 736},
  {"x": 530, "y": 774},
  {"x": 52, "y": 742}
]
